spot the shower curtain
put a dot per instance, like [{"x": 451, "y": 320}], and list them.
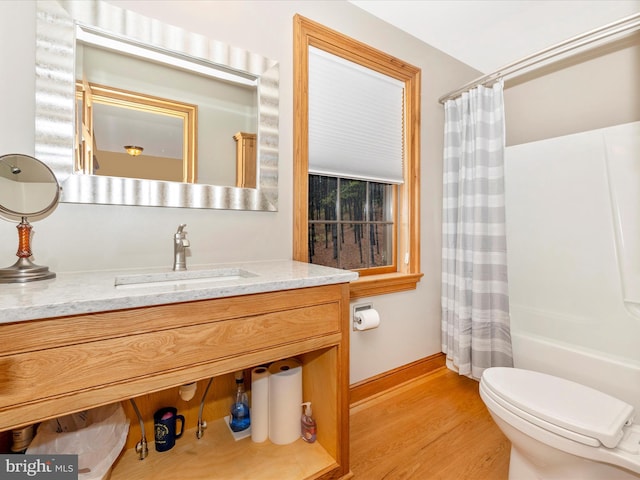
[{"x": 475, "y": 301}]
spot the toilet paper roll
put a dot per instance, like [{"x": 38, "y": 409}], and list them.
[
  {"x": 259, "y": 404},
  {"x": 367, "y": 319},
  {"x": 285, "y": 399}
]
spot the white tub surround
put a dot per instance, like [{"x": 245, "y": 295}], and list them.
[
  {"x": 88, "y": 292},
  {"x": 573, "y": 234}
]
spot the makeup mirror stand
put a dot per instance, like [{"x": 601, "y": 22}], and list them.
[{"x": 24, "y": 270}]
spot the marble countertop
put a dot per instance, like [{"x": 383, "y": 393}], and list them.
[{"x": 89, "y": 292}]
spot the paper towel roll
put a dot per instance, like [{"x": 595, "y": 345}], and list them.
[
  {"x": 285, "y": 399},
  {"x": 367, "y": 319},
  {"x": 259, "y": 404}
]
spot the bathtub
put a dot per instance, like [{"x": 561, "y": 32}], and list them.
[
  {"x": 573, "y": 247},
  {"x": 616, "y": 376}
]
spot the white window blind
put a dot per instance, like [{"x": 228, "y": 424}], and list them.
[{"x": 355, "y": 120}]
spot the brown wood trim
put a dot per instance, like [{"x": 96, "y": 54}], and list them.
[
  {"x": 342, "y": 415},
  {"x": 300, "y": 140},
  {"x": 371, "y": 387},
  {"x": 367, "y": 286}
]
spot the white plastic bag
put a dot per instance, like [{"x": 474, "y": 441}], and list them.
[{"x": 97, "y": 436}]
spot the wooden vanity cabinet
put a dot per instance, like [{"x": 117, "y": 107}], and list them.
[{"x": 56, "y": 366}]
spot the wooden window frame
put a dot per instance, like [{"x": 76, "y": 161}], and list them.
[{"x": 309, "y": 33}]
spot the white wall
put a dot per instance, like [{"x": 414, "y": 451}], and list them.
[
  {"x": 96, "y": 237},
  {"x": 594, "y": 89},
  {"x": 17, "y": 57}
]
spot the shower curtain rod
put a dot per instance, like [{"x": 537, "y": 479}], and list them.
[{"x": 631, "y": 22}]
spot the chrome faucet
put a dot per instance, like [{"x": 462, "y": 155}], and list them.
[{"x": 180, "y": 242}]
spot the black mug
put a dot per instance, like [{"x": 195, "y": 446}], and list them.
[{"x": 165, "y": 422}]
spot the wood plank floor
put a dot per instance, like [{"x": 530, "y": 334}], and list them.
[{"x": 435, "y": 428}]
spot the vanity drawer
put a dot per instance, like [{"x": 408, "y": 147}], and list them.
[
  {"x": 66, "y": 370},
  {"x": 47, "y": 333}
]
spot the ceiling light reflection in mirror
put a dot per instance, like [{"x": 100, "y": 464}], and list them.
[
  {"x": 223, "y": 107},
  {"x": 110, "y": 120},
  {"x": 123, "y": 133}
]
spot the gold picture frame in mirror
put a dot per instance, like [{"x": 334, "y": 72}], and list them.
[
  {"x": 120, "y": 146},
  {"x": 64, "y": 28}
]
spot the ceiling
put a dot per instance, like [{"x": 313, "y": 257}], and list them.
[{"x": 488, "y": 34}]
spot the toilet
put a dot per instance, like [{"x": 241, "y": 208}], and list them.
[{"x": 560, "y": 429}]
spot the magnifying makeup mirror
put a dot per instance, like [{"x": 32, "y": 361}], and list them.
[{"x": 28, "y": 188}]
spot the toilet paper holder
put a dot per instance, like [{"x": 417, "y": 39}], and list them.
[{"x": 358, "y": 308}]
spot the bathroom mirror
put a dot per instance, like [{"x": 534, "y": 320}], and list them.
[
  {"x": 28, "y": 188},
  {"x": 64, "y": 28}
]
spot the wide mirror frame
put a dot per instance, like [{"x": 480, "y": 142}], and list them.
[{"x": 56, "y": 24}]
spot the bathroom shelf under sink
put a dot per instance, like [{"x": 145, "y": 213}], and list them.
[{"x": 218, "y": 456}]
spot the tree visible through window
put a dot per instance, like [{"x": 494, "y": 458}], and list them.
[{"x": 351, "y": 223}]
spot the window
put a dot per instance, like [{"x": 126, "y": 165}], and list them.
[
  {"x": 351, "y": 224},
  {"x": 364, "y": 220}
]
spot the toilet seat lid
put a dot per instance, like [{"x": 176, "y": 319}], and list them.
[{"x": 561, "y": 402}]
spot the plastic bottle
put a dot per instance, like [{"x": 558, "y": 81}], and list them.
[
  {"x": 21, "y": 439},
  {"x": 240, "y": 417},
  {"x": 308, "y": 424}
]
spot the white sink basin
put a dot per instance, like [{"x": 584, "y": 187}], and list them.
[{"x": 186, "y": 277}]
